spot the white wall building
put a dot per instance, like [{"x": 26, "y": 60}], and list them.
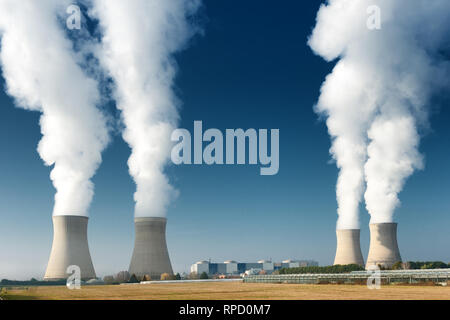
[
  {"x": 267, "y": 265},
  {"x": 290, "y": 264},
  {"x": 200, "y": 267},
  {"x": 231, "y": 267}
]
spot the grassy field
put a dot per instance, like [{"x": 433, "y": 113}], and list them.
[{"x": 230, "y": 290}]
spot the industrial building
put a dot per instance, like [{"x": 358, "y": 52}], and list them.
[
  {"x": 231, "y": 267},
  {"x": 70, "y": 247},
  {"x": 383, "y": 250},
  {"x": 348, "y": 248},
  {"x": 150, "y": 254}
]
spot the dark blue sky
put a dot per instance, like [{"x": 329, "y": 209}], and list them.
[{"x": 250, "y": 69}]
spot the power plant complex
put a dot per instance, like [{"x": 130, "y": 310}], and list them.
[
  {"x": 231, "y": 267},
  {"x": 151, "y": 258}
]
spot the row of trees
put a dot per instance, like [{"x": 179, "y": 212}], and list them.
[
  {"x": 409, "y": 265},
  {"x": 32, "y": 282},
  {"x": 125, "y": 277},
  {"x": 196, "y": 276},
  {"x": 120, "y": 277},
  {"x": 414, "y": 265},
  {"x": 324, "y": 269}
]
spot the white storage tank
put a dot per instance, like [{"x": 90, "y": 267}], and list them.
[{"x": 231, "y": 267}]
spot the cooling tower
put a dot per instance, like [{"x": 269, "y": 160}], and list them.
[
  {"x": 348, "y": 249},
  {"x": 150, "y": 255},
  {"x": 383, "y": 245},
  {"x": 70, "y": 247}
]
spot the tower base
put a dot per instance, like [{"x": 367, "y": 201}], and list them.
[
  {"x": 150, "y": 254},
  {"x": 383, "y": 249},
  {"x": 348, "y": 249},
  {"x": 70, "y": 247}
]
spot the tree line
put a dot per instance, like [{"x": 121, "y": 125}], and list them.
[
  {"x": 414, "y": 265},
  {"x": 409, "y": 265},
  {"x": 322, "y": 269}
]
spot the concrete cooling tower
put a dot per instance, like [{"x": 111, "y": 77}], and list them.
[
  {"x": 383, "y": 245},
  {"x": 70, "y": 247},
  {"x": 348, "y": 250},
  {"x": 150, "y": 255}
]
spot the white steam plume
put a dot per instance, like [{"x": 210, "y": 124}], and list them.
[
  {"x": 139, "y": 40},
  {"x": 378, "y": 94},
  {"x": 42, "y": 74}
]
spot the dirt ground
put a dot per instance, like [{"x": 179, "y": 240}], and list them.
[{"x": 230, "y": 291}]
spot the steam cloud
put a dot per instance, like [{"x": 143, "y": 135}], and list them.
[
  {"x": 378, "y": 95},
  {"x": 42, "y": 74},
  {"x": 139, "y": 40}
]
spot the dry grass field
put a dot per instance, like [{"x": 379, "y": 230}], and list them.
[{"x": 231, "y": 291}]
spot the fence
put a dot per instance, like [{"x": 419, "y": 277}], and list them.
[{"x": 356, "y": 277}]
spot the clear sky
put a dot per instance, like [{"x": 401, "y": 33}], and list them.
[{"x": 251, "y": 68}]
